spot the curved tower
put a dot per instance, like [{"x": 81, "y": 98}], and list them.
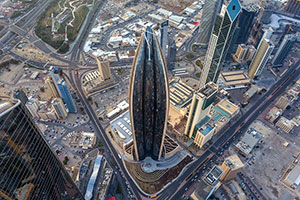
[{"x": 148, "y": 98}]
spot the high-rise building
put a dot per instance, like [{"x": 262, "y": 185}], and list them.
[
  {"x": 284, "y": 49},
  {"x": 246, "y": 21},
  {"x": 63, "y": 90},
  {"x": 171, "y": 58},
  {"x": 244, "y": 53},
  {"x": 231, "y": 166},
  {"x": 210, "y": 9},
  {"x": 261, "y": 57},
  {"x": 220, "y": 41},
  {"x": 200, "y": 107},
  {"x": 32, "y": 107},
  {"x": 104, "y": 69},
  {"x": 20, "y": 94},
  {"x": 164, "y": 37},
  {"x": 59, "y": 107},
  {"x": 293, "y": 7},
  {"x": 148, "y": 98},
  {"x": 28, "y": 167},
  {"x": 51, "y": 86}
]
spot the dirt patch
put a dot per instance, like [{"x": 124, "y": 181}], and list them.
[{"x": 176, "y": 6}]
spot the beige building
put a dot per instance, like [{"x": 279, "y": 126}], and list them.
[
  {"x": 104, "y": 69},
  {"x": 231, "y": 166},
  {"x": 261, "y": 57},
  {"x": 181, "y": 96},
  {"x": 273, "y": 114},
  {"x": 282, "y": 102},
  {"x": 204, "y": 132},
  {"x": 32, "y": 107},
  {"x": 285, "y": 124},
  {"x": 235, "y": 78},
  {"x": 244, "y": 53},
  {"x": 250, "y": 93},
  {"x": 200, "y": 107},
  {"x": 45, "y": 112},
  {"x": 59, "y": 108},
  {"x": 50, "y": 84}
]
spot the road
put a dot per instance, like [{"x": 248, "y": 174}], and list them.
[{"x": 233, "y": 132}]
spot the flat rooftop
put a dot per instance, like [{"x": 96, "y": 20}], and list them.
[
  {"x": 5, "y": 106},
  {"x": 248, "y": 141},
  {"x": 235, "y": 78},
  {"x": 208, "y": 89},
  {"x": 123, "y": 125},
  {"x": 226, "y": 108},
  {"x": 234, "y": 162},
  {"x": 181, "y": 94}
]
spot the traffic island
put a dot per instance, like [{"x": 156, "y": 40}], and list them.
[{"x": 155, "y": 181}]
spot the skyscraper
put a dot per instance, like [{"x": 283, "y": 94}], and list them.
[
  {"x": 293, "y": 7},
  {"x": 261, "y": 57},
  {"x": 200, "y": 107},
  {"x": 246, "y": 21},
  {"x": 28, "y": 167},
  {"x": 104, "y": 70},
  {"x": 59, "y": 107},
  {"x": 284, "y": 49},
  {"x": 148, "y": 98},
  {"x": 220, "y": 41},
  {"x": 51, "y": 86},
  {"x": 63, "y": 90},
  {"x": 164, "y": 37}
]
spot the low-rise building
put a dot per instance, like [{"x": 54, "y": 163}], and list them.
[
  {"x": 85, "y": 140},
  {"x": 285, "y": 124},
  {"x": 248, "y": 142},
  {"x": 180, "y": 98},
  {"x": 250, "y": 93},
  {"x": 273, "y": 114},
  {"x": 235, "y": 78}
]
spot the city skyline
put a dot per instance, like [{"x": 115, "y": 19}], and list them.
[{"x": 149, "y": 100}]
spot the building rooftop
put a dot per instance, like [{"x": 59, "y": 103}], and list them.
[
  {"x": 5, "y": 106},
  {"x": 235, "y": 78},
  {"x": 123, "y": 125},
  {"x": 234, "y": 162},
  {"x": 208, "y": 89},
  {"x": 294, "y": 175},
  {"x": 181, "y": 94},
  {"x": 226, "y": 108},
  {"x": 248, "y": 141}
]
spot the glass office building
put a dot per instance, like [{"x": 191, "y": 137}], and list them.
[
  {"x": 220, "y": 41},
  {"x": 28, "y": 167},
  {"x": 148, "y": 98}
]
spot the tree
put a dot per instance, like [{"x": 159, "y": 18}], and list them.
[
  {"x": 42, "y": 89},
  {"x": 66, "y": 160},
  {"x": 189, "y": 56},
  {"x": 119, "y": 189},
  {"x": 199, "y": 63}
]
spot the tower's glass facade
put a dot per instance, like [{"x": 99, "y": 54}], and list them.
[
  {"x": 148, "y": 98},
  {"x": 220, "y": 41},
  {"x": 28, "y": 167}
]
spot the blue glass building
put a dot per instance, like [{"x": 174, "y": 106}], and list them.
[
  {"x": 63, "y": 90},
  {"x": 148, "y": 98}
]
